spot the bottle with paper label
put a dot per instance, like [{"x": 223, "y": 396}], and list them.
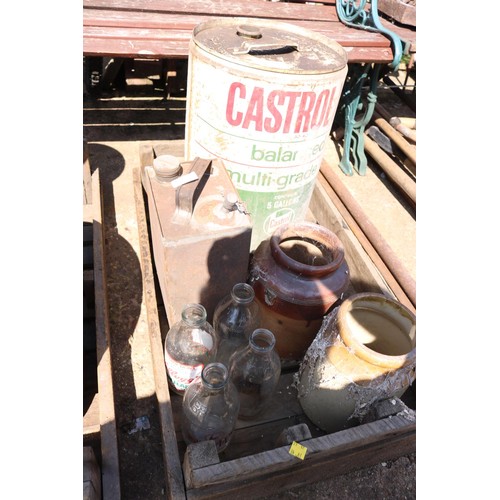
[{"x": 190, "y": 345}]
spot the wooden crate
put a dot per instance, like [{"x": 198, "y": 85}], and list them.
[{"x": 257, "y": 462}]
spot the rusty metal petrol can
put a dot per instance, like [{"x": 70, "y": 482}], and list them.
[
  {"x": 200, "y": 232},
  {"x": 262, "y": 95},
  {"x": 298, "y": 275}
]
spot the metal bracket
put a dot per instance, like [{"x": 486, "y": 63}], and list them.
[
  {"x": 351, "y": 104},
  {"x": 361, "y": 14}
]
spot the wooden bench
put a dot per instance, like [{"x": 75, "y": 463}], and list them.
[{"x": 162, "y": 29}]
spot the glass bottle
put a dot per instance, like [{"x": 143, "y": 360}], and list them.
[
  {"x": 236, "y": 316},
  {"x": 210, "y": 407},
  {"x": 190, "y": 344},
  {"x": 255, "y": 371}
]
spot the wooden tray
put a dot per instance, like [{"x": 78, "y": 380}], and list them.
[{"x": 257, "y": 461}]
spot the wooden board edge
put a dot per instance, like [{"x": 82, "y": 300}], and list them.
[
  {"x": 87, "y": 175},
  {"x": 333, "y": 454},
  {"x": 91, "y": 424},
  {"x": 173, "y": 469},
  {"x": 110, "y": 468},
  {"x": 363, "y": 273},
  {"x": 91, "y": 475}
]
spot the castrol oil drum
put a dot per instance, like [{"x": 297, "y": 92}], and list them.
[{"x": 262, "y": 96}]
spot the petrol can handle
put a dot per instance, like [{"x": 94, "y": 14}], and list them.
[
  {"x": 187, "y": 194},
  {"x": 256, "y": 48}
]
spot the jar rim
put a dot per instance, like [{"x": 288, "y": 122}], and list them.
[
  {"x": 364, "y": 352},
  {"x": 312, "y": 233}
]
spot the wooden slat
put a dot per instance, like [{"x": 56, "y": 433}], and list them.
[
  {"x": 151, "y": 25},
  {"x": 177, "y": 46},
  {"x": 355, "y": 241},
  {"x": 333, "y": 454},
  {"x": 364, "y": 275},
  {"x": 88, "y": 215},
  {"x": 87, "y": 176},
  {"x": 173, "y": 469},
  {"x": 233, "y": 8},
  {"x": 91, "y": 424},
  {"x": 91, "y": 475},
  {"x": 180, "y": 28},
  {"x": 109, "y": 443},
  {"x": 163, "y": 29},
  {"x": 184, "y": 17}
]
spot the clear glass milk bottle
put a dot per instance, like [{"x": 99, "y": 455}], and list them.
[
  {"x": 190, "y": 344},
  {"x": 236, "y": 316},
  {"x": 255, "y": 371},
  {"x": 210, "y": 407}
]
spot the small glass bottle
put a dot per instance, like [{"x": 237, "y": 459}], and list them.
[
  {"x": 190, "y": 344},
  {"x": 236, "y": 316},
  {"x": 210, "y": 407},
  {"x": 255, "y": 371}
]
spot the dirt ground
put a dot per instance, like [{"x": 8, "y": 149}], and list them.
[{"x": 113, "y": 116}]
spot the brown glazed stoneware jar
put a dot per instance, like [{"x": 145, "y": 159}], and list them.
[{"x": 297, "y": 274}]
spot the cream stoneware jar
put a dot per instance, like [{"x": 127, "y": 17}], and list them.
[{"x": 364, "y": 351}]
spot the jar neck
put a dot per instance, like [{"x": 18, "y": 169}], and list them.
[
  {"x": 262, "y": 341},
  {"x": 307, "y": 249},
  {"x": 214, "y": 377},
  {"x": 242, "y": 293},
  {"x": 194, "y": 315}
]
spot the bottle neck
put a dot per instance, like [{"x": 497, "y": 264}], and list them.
[
  {"x": 214, "y": 377},
  {"x": 242, "y": 293},
  {"x": 262, "y": 341},
  {"x": 194, "y": 315}
]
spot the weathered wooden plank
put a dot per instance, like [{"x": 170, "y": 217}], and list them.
[
  {"x": 171, "y": 458},
  {"x": 233, "y": 8},
  {"x": 332, "y": 454},
  {"x": 402, "y": 12},
  {"x": 91, "y": 475},
  {"x": 251, "y": 440},
  {"x": 152, "y": 25},
  {"x": 159, "y": 28},
  {"x": 88, "y": 216},
  {"x": 107, "y": 419},
  {"x": 364, "y": 275},
  {"x": 179, "y": 28},
  {"x": 91, "y": 424},
  {"x": 87, "y": 176},
  {"x": 177, "y": 46}
]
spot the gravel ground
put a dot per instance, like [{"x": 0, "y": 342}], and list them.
[{"x": 391, "y": 480}]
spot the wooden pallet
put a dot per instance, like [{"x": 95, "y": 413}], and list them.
[{"x": 258, "y": 462}]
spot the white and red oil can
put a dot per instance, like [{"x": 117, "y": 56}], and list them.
[{"x": 262, "y": 96}]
